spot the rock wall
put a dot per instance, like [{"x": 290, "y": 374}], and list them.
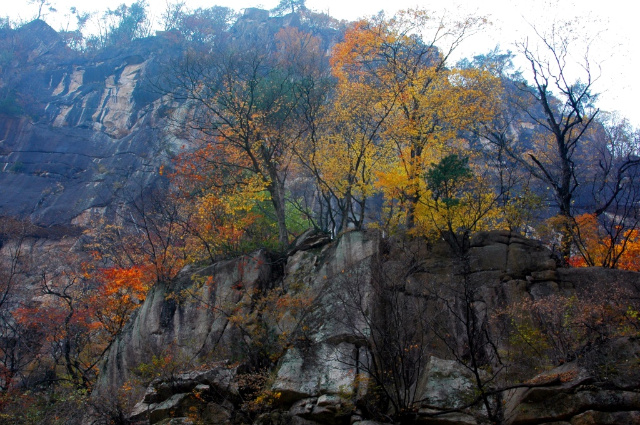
[
  {"x": 322, "y": 378},
  {"x": 84, "y": 127}
]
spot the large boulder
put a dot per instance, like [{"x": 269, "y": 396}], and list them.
[
  {"x": 583, "y": 391},
  {"x": 511, "y": 254},
  {"x": 169, "y": 399},
  {"x": 447, "y": 384},
  {"x": 328, "y": 364}
]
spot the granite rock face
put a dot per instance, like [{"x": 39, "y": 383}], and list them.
[
  {"x": 213, "y": 387},
  {"x": 324, "y": 377},
  {"x": 83, "y": 129},
  {"x": 189, "y": 320}
]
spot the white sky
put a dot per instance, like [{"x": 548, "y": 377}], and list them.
[{"x": 612, "y": 23}]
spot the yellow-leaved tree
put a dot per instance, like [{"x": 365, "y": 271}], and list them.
[
  {"x": 460, "y": 200},
  {"x": 345, "y": 149},
  {"x": 422, "y": 103}
]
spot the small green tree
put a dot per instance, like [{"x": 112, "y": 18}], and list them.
[
  {"x": 121, "y": 25},
  {"x": 131, "y": 22},
  {"x": 447, "y": 178},
  {"x": 44, "y": 6}
]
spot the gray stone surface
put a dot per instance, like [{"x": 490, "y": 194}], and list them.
[
  {"x": 447, "y": 384},
  {"x": 185, "y": 320},
  {"x": 316, "y": 381}
]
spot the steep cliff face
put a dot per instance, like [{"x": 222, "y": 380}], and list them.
[
  {"x": 79, "y": 131},
  {"x": 363, "y": 296},
  {"x": 83, "y": 129}
]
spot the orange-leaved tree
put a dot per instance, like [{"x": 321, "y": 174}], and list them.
[
  {"x": 61, "y": 320},
  {"x": 77, "y": 313},
  {"x": 117, "y": 294},
  {"x": 147, "y": 232},
  {"x": 597, "y": 246}
]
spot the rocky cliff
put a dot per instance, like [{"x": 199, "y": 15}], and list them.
[
  {"x": 83, "y": 127},
  {"x": 364, "y": 328},
  {"x": 81, "y": 131}
]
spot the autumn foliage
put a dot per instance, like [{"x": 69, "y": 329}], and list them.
[
  {"x": 598, "y": 247},
  {"x": 286, "y": 130},
  {"x": 118, "y": 293},
  {"x": 557, "y": 328},
  {"x": 355, "y": 139}
]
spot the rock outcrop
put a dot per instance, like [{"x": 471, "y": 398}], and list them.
[
  {"x": 187, "y": 319},
  {"x": 326, "y": 375}
]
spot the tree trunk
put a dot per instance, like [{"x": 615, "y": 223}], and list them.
[
  {"x": 411, "y": 211},
  {"x": 276, "y": 190},
  {"x": 344, "y": 211},
  {"x": 565, "y": 196},
  {"x": 415, "y": 171}
]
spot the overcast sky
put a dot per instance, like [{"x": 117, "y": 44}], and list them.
[{"x": 611, "y": 23}]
